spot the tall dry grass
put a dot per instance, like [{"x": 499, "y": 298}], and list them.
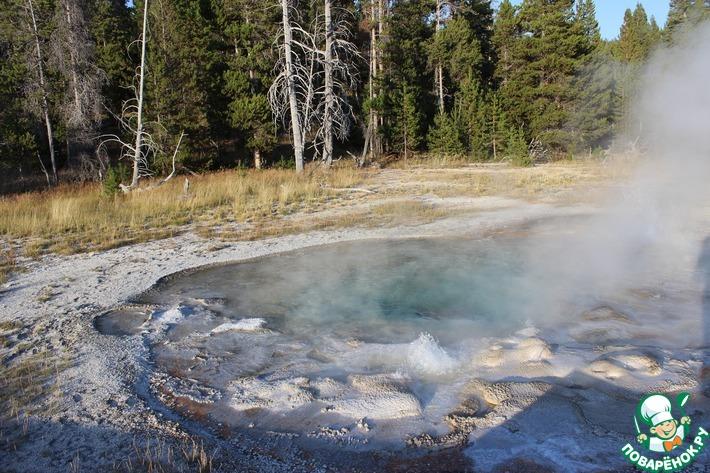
[{"x": 78, "y": 218}]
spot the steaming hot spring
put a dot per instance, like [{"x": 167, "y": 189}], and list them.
[{"x": 515, "y": 344}]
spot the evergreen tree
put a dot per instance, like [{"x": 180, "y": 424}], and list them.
[
  {"x": 458, "y": 50},
  {"x": 498, "y": 125},
  {"x": 506, "y": 34},
  {"x": 516, "y": 149},
  {"x": 655, "y": 32},
  {"x": 597, "y": 105},
  {"x": 409, "y": 122},
  {"x": 26, "y": 30},
  {"x": 17, "y": 140},
  {"x": 407, "y": 82},
  {"x": 446, "y": 135},
  {"x": 471, "y": 101},
  {"x": 183, "y": 81},
  {"x": 685, "y": 12},
  {"x": 587, "y": 19},
  {"x": 637, "y": 37},
  {"x": 112, "y": 29},
  {"x": 479, "y": 17},
  {"x": 248, "y": 29},
  {"x": 539, "y": 93}
]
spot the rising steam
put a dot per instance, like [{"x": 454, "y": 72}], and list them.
[{"x": 653, "y": 227}]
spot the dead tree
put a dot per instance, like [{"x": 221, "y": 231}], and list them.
[
  {"x": 310, "y": 90},
  {"x": 71, "y": 53},
  {"x": 340, "y": 75},
  {"x": 289, "y": 85},
  {"x": 443, "y": 8},
  {"x": 44, "y": 101},
  {"x": 373, "y": 143},
  {"x": 140, "y": 144},
  {"x": 138, "y": 156},
  {"x": 329, "y": 90}
]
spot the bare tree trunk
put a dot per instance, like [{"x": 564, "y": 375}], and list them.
[
  {"x": 329, "y": 98},
  {"x": 257, "y": 159},
  {"x": 72, "y": 57},
  {"x": 44, "y": 170},
  {"x": 139, "y": 119},
  {"x": 439, "y": 70},
  {"x": 380, "y": 68},
  {"x": 376, "y": 70},
  {"x": 43, "y": 89},
  {"x": 495, "y": 136},
  {"x": 293, "y": 99},
  {"x": 372, "y": 127}
]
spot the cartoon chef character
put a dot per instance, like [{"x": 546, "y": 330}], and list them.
[{"x": 666, "y": 432}]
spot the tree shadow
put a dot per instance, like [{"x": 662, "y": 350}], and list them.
[
  {"x": 703, "y": 270},
  {"x": 582, "y": 421},
  {"x": 579, "y": 424}
]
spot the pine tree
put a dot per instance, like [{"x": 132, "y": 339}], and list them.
[
  {"x": 446, "y": 135},
  {"x": 683, "y": 13},
  {"x": 655, "y": 33},
  {"x": 458, "y": 50},
  {"x": 480, "y": 16},
  {"x": 409, "y": 122},
  {"x": 516, "y": 149},
  {"x": 112, "y": 29},
  {"x": 506, "y": 33},
  {"x": 28, "y": 27},
  {"x": 79, "y": 83},
  {"x": 183, "y": 81},
  {"x": 587, "y": 19},
  {"x": 247, "y": 32},
  {"x": 539, "y": 93},
  {"x": 637, "y": 36},
  {"x": 472, "y": 105},
  {"x": 498, "y": 125},
  {"x": 597, "y": 105},
  {"x": 17, "y": 141},
  {"x": 407, "y": 81}
]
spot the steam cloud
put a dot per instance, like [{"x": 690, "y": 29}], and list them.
[{"x": 653, "y": 227}]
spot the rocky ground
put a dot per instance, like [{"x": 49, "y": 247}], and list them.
[{"x": 79, "y": 400}]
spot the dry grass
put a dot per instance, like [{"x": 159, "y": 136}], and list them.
[
  {"x": 28, "y": 379},
  {"x": 159, "y": 456},
  {"x": 435, "y": 161},
  {"x": 73, "y": 219},
  {"x": 251, "y": 204},
  {"x": 378, "y": 215},
  {"x": 476, "y": 181},
  {"x": 8, "y": 264}
]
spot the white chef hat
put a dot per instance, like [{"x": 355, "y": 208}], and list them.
[{"x": 656, "y": 409}]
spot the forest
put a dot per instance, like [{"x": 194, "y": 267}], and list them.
[{"x": 96, "y": 90}]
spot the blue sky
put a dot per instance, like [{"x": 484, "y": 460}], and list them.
[{"x": 610, "y": 13}]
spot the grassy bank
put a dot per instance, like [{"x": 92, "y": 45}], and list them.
[
  {"x": 72, "y": 219},
  {"x": 252, "y": 204}
]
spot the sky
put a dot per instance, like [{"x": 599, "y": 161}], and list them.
[{"x": 610, "y": 13}]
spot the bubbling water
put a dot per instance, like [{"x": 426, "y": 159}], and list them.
[{"x": 374, "y": 341}]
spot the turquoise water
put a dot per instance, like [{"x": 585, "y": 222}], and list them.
[
  {"x": 374, "y": 291},
  {"x": 391, "y": 331}
]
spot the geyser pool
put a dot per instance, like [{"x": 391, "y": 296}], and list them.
[
  {"x": 373, "y": 291},
  {"x": 374, "y": 342}
]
